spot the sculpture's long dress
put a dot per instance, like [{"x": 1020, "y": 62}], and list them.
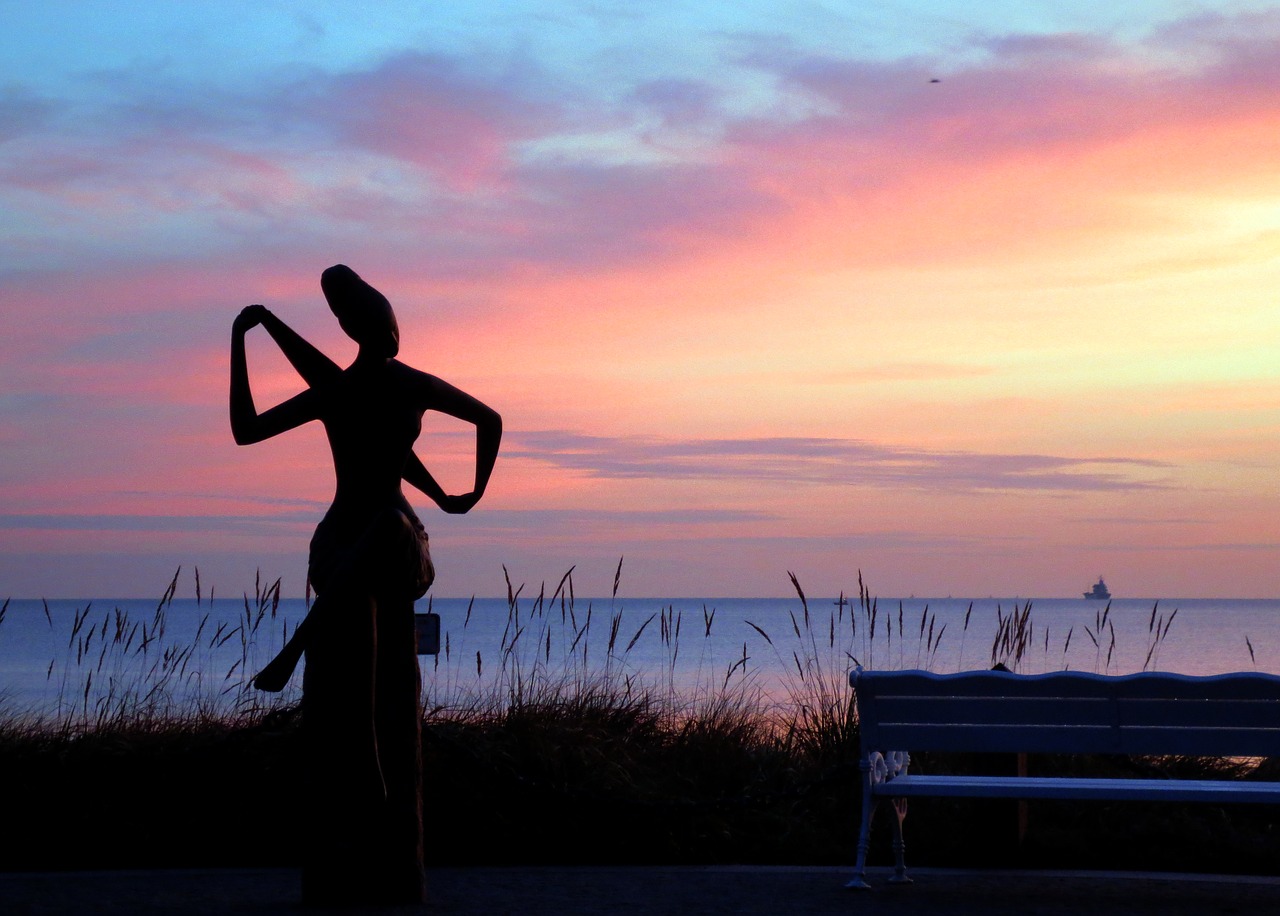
[{"x": 364, "y": 757}]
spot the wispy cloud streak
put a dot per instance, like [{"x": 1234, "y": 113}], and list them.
[
  {"x": 829, "y": 461},
  {"x": 156, "y": 523}
]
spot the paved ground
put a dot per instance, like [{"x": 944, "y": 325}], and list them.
[{"x": 740, "y": 891}]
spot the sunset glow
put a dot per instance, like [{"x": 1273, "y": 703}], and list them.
[{"x": 976, "y": 303}]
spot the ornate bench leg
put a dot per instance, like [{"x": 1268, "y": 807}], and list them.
[
  {"x": 859, "y": 881},
  {"x": 877, "y": 768},
  {"x": 899, "y": 847}
]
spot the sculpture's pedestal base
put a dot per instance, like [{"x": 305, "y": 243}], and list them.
[{"x": 362, "y": 721}]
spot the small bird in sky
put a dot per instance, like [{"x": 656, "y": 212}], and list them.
[{"x": 935, "y": 80}]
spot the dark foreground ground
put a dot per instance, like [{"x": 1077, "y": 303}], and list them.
[{"x": 578, "y": 891}]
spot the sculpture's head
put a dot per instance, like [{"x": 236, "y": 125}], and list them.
[{"x": 363, "y": 312}]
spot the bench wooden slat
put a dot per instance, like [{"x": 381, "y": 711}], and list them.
[
  {"x": 1079, "y": 739},
  {"x": 1185, "y": 712},
  {"x": 1117, "y": 711},
  {"x": 1002, "y": 710},
  {"x": 1200, "y": 741},
  {"x": 950, "y": 736}
]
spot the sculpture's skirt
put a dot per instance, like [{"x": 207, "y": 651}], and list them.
[
  {"x": 395, "y": 556},
  {"x": 361, "y": 713}
]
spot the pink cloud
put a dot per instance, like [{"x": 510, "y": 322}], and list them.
[
  {"x": 426, "y": 111},
  {"x": 1053, "y": 140}
]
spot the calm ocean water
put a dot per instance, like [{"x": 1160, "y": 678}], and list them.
[{"x": 187, "y": 652}]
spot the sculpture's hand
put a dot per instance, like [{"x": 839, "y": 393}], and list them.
[
  {"x": 250, "y": 317},
  {"x": 459, "y": 505}
]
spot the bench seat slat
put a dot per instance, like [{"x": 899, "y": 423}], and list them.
[
  {"x": 1150, "y": 685},
  {"x": 1222, "y": 791}
]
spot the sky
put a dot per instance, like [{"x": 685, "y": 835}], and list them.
[{"x": 974, "y": 299}]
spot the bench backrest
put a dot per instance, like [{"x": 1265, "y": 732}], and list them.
[{"x": 1227, "y": 715}]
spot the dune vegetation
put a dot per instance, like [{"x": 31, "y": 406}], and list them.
[{"x": 558, "y": 755}]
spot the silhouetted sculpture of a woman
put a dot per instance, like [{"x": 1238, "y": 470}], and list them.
[{"x": 361, "y": 688}]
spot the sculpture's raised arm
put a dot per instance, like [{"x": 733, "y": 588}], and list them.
[
  {"x": 247, "y": 425},
  {"x": 314, "y": 367}
]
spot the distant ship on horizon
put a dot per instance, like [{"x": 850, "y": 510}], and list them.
[{"x": 1099, "y": 591}]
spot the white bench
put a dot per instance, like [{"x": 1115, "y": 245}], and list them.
[{"x": 1155, "y": 714}]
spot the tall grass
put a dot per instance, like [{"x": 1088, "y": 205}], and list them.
[
  {"x": 120, "y": 669},
  {"x": 557, "y": 650},
  {"x": 559, "y": 657}
]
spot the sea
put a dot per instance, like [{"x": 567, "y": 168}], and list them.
[{"x": 94, "y": 659}]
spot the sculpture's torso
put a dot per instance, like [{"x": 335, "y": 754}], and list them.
[{"x": 371, "y": 422}]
